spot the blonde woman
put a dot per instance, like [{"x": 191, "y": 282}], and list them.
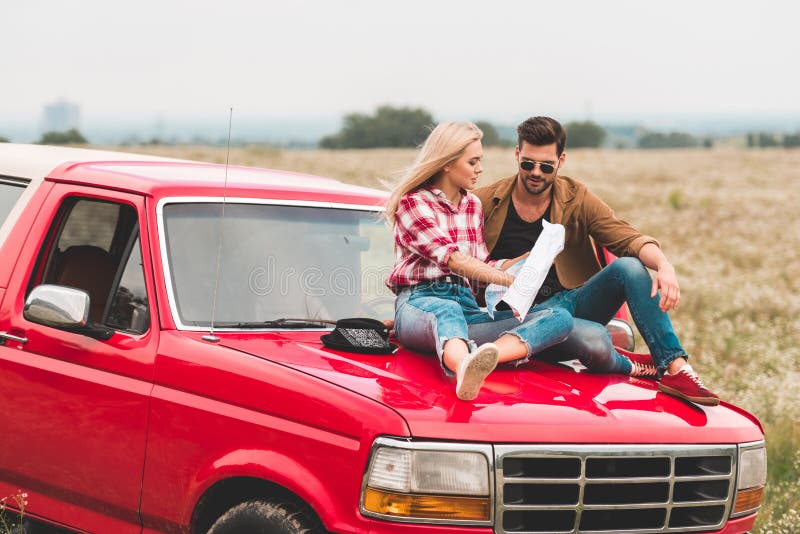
[{"x": 438, "y": 233}]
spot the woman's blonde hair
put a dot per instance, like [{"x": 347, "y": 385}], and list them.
[{"x": 445, "y": 144}]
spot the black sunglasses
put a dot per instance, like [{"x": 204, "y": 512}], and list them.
[{"x": 528, "y": 165}]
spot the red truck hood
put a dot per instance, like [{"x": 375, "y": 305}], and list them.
[{"x": 533, "y": 403}]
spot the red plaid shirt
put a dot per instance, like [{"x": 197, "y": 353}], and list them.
[{"x": 428, "y": 228}]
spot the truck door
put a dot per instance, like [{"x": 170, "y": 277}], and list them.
[{"x": 74, "y": 415}]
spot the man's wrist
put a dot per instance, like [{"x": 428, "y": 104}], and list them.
[{"x": 665, "y": 266}]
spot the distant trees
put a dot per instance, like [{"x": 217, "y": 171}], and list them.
[
  {"x": 768, "y": 140},
  {"x": 393, "y": 126},
  {"x": 584, "y": 134},
  {"x": 491, "y": 137},
  {"x": 670, "y": 140},
  {"x": 791, "y": 140},
  {"x": 4, "y": 139},
  {"x": 762, "y": 140},
  {"x": 388, "y": 127},
  {"x": 69, "y": 137}
]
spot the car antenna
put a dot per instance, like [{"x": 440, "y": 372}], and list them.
[{"x": 210, "y": 336}]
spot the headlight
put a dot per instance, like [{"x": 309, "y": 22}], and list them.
[
  {"x": 751, "y": 478},
  {"x": 428, "y": 482}
]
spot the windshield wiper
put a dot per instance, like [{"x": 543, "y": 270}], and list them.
[{"x": 283, "y": 322}]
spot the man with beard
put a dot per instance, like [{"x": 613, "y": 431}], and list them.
[{"x": 513, "y": 210}]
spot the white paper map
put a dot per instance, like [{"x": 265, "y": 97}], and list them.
[{"x": 530, "y": 274}]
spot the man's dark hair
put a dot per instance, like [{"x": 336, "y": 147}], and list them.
[{"x": 542, "y": 131}]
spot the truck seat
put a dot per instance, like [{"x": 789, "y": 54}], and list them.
[{"x": 91, "y": 269}]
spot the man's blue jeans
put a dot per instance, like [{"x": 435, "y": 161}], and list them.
[
  {"x": 429, "y": 314},
  {"x": 594, "y": 303}
]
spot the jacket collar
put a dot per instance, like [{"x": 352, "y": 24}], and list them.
[
  {"x": 503, "y": 189},
  {"x": 563, "y": 190}
]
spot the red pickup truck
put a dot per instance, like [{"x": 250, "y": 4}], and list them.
[{"x": 161, "y": 370}]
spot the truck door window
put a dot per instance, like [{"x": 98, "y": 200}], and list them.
[
  {"x": 90, "y": 223},
  {"x": 129, "y": 310},
  {"x": 96, "y": 249}
]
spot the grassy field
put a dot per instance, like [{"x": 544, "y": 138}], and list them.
[{"x": 728, "y": 219}]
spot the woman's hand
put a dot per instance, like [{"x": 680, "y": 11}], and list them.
[
  {"x": 389, "y": 324},
  {"x": 513, "y": 261}
]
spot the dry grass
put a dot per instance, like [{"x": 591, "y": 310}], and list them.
[{"x": 729, "y": 221}]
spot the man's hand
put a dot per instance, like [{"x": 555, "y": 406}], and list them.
[{"x": 666, "y": 281}]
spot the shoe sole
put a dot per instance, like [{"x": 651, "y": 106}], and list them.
[
  {"x": 704, "y": 401},
  {"x": 483, "y": 362}
]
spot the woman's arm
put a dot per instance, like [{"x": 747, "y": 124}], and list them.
[{"x": 475, "y": 269}]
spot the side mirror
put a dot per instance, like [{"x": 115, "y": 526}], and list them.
[
  {"x": 621, "y": 333},
  {"x": 57, "y": 306},
  {"x": 63, "y": 307}
]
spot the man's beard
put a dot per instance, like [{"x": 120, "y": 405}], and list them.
[{"x": 536, "y": 189}]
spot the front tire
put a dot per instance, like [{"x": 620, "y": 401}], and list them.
[{"x": 265, "y": 517}]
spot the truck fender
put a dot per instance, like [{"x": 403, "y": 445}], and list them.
[{"x": 270, "y": 466}]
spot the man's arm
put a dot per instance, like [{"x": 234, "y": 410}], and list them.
[
  {"x": 665, "y": 280},
  {"x": 624, "y": 240}
]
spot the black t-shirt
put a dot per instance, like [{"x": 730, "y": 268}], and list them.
[{"x": 518, "y": 237}]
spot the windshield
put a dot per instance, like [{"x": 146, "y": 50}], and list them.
[{"x": 276, "y": 262}]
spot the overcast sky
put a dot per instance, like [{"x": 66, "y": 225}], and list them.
[{"x": 491, "y": 58}]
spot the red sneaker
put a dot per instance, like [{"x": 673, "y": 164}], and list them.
[
  {"x": 643, "y": 365},
  {"x": 688, "y": 386}
]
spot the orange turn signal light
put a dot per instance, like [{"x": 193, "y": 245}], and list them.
[
  {"x": 426, "y": 506},
  {"x": 748, "y": 499}
]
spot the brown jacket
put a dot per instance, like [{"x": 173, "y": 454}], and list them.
[{"x": 584, "y": 217}]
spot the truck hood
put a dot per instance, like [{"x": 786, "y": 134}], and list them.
[{"x": 534, "y": 403}]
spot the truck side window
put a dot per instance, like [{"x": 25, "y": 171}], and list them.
[
  {"x": 10, "y": 191},
  {"x": 95, "y": 247}
]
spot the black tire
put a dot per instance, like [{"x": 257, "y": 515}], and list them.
[{"x": 264, "y": 517}]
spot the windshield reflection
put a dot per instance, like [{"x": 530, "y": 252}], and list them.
[{"x": 276, "y": 261}]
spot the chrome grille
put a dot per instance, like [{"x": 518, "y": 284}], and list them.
[{"x": 630, "y": 488}]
